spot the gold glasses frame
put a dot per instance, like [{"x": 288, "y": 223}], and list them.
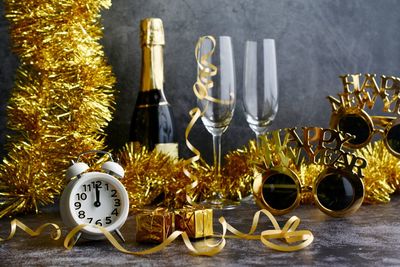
[{"x": 283, "y": 154}]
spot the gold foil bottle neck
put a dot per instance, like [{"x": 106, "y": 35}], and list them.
[
  {"x": 152, "y": 40},
  {"x": 152, "y": 32}
]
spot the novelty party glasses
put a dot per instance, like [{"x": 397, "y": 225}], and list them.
[
  {"x": 336, "y": 192},
  {"x": 348, "y": 114},
  {"x": 337, "y": 187}
]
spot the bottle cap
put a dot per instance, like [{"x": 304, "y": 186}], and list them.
[{"x": 152, "y": 31}]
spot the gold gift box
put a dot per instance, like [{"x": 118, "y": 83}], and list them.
[
  {"x": 196, "y": 223},
  {"x": 154, "y": 226}
]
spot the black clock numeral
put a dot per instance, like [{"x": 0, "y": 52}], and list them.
[
  {"x": 108, "y": 220},
  {"x": 90, "y": 219},
  {"x": 106, "y": 185},
  {"x": 81, "y": 196},
  {"x": 115, "y": 212},
  {"x": 87, "y": 187},
  {"x": 96, "y": 184},
  {"x": 98, "y": 222},
  {"x": 117, "y": 202},
  {"x": 114, "y": 193},
  {"x": 81, "y": 214},
  {"x": 77, "y": 205}
]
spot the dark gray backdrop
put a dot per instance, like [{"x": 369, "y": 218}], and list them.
[{"x": 317, "y": 40}]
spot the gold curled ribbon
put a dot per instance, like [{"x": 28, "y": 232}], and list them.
[
  {"x": 198, "y": 250},
  {"x": 206, "y": 70},
  {"x": 55, "y": 235},
  {"x": 195, "y": 114},
  {"x": 203, "y": 82},
  {"x": 288, "y": 233}
]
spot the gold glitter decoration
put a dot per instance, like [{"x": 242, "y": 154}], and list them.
[
  {"x": 381, "y": 174},
  {"x": 61, "y": 100}
]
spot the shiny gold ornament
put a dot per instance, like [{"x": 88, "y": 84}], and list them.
[
  {"x": 337, "y": 190},
  {"x": 61, "y": 101}
]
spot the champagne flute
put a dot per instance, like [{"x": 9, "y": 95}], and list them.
[
  {"x": 216, "y": 71},
  {"x": 260, "y": 88}
]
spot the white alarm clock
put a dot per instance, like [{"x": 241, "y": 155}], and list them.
[{"x": 95, "y": 198}]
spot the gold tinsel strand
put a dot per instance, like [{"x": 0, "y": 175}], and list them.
[
  {"x": 152, "y": 178},
  {"x": 238, "y": 172},
  {"x": 61, "y": 100},
  {"x": 307, "y": 174},
  {"x": 381, "y": 177}
]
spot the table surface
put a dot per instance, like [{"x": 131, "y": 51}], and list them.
[{"x": 369, "y": 237}]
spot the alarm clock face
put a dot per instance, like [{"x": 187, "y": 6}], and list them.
[{"x": 98, "y": 199}]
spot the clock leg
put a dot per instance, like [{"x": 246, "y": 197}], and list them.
[
  {"x": 120, "y": 235},
  {"x": 77, "y": 237}
]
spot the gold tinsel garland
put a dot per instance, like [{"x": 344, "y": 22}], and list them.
[
  {"x": 154, "y": 179},
  {"x": 61, "y": 100},
  {"x": 382, "y": 174},
  {"x": 307, "y": 173},
  {"x": 151, "y": 177}
]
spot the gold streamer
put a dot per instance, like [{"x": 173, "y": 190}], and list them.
[
  {"x": 288, "y": 233},
  {"x": 56, "y": 234},
  {"x": 207, "y": 250},
  {"x": 205, "y": 71}
]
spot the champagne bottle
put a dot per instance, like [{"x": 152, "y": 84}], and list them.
[{"x": 152, "y": 121}]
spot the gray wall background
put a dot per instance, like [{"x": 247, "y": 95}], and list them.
[{"x": 316, "y": 40}]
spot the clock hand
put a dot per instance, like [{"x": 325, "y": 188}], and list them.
[{"x": 97, "y": 202}]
